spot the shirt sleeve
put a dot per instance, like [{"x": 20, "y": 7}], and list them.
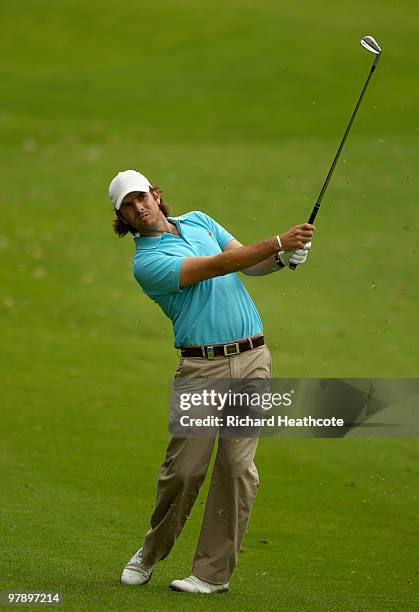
[
  {"x": 221, "y": 235},
  {"x": 158, "y": 273}
]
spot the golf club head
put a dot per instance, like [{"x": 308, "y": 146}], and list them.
[{"x": 370, "y": 44}]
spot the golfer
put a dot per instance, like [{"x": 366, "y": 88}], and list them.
[{"x": 188, "y": 265}]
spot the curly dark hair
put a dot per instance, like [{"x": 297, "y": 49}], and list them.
[{"x": 122, "y": 229}]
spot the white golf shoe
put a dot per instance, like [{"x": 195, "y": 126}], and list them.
[
  {"x": 136, "y": 571},
  {"x": 192, "y": 584}
]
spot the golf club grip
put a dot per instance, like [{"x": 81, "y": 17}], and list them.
[{"x": 311, "y": 220}]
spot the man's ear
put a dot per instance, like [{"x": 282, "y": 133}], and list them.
[{"x": 156, "y": 195}]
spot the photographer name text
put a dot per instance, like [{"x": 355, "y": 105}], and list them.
[{"x": 248, "y": 421}]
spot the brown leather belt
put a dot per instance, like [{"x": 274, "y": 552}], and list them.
[{"x": 223, "y": 350}]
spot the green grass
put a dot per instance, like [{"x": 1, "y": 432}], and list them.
[{"x": 236, "y": 109}]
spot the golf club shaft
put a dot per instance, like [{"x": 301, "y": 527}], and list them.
[{"x": 332, "y": 167}]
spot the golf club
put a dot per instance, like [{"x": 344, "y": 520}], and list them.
[{"x": 371, "y": 45}]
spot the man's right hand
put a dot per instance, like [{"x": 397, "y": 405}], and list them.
[{"x": 297, "y": 236}]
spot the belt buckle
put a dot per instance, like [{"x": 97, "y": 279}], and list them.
[
  {"x": 210, "y": 352},
  {"x": 231, "y": 349}
]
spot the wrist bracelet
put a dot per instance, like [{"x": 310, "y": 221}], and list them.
[{"x": 279, "y": 243}]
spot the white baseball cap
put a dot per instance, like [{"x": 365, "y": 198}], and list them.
[{"x": 125, "y": 182}]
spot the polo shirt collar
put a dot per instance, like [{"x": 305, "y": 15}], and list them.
[{"x": 151, "y": 242}]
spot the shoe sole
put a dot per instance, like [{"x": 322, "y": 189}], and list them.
[{"x": 173, "y": 588}]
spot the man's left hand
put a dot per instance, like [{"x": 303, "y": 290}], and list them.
[{"x": 297, "y": 257}]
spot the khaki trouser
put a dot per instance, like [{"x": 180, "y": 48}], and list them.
[{"x": 233, "y": 486}]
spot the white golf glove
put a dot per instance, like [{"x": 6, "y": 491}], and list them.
[{"x": 297, "y": 257}]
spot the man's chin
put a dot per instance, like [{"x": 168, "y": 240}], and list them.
[{"x": 144, "y": 227}]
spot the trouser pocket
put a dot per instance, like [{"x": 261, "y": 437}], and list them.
[{"x": 179, "y": 367}]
